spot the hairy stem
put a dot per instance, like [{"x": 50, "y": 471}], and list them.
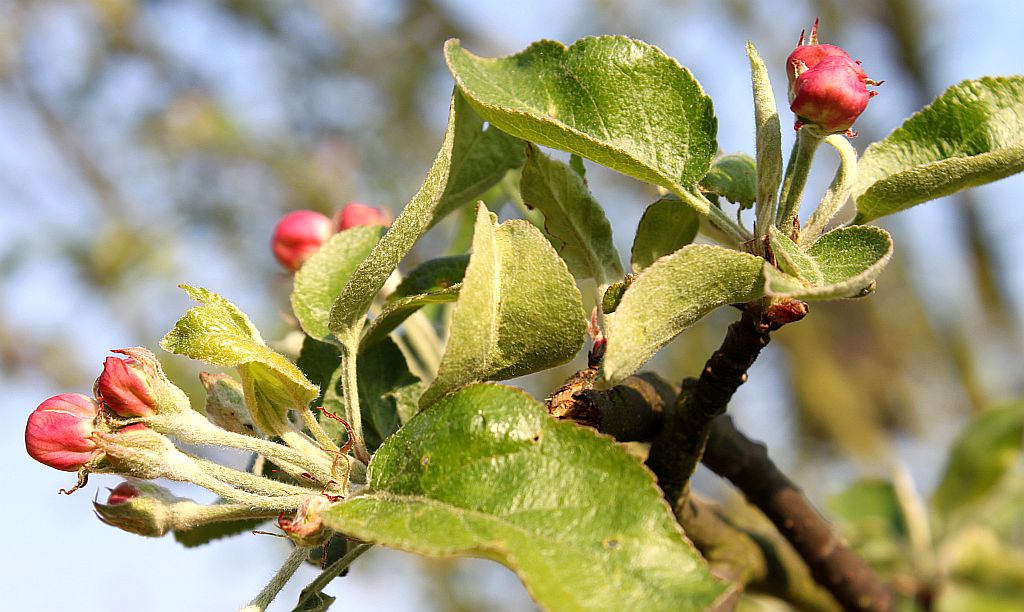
[
  {"x": 269, "y": 592},
  {"x": 251, "y": 482},
  {"x": 807, "y": 141},
  {"x": 350, "y": 387}
]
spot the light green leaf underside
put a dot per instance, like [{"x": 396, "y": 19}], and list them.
[
  {"x": 734, "y": 177},
  {"x": 970, "y": 135},
  {"x": 480, "y": 158},
  {"x": 792, "y": 260},
  {"x": 486, "y": 473},
  {"x": 572, "y": 216},
  {"x": 671, "y": 295},
  {"x": 848, "y": 259},
  {"x": 458, "y": 148},
  {"x": 319, "y": 281},
  {"x": 619, "y": 102},
  {"x": 666, "y": 226},
  {"x": 399, "y": 310},
  {"x": 518, "y": 312},
  {"x": 218, "y": 333},
  {"x": 981, "y": 456}
]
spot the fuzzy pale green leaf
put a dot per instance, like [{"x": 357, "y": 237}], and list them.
[
  {"x": 572, "y": 216},
  {"x": 486, "y": 473},
  {"x": 734, "y": 177},
  {"x": 619, "y": 102},
  {"x": 848, "y": 260},
  {"x": 671, "y": 295},
  {"x": 666, "y": 226},
  {"x": 322, "y": 277},
  {"x": 218, "y": 333},
  {"x": 970, "y": 135},
  {"x": 792, "y": 260},
  {"x": 981, "y": 456},
  {"x": 519, "y": 310}
]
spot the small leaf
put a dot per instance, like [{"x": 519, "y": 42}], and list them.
[
  {"x": 431, "y": 275},
  {"x": 848, "y": 259},
  {"x": 792, "y": 260},
  {"x": 613, "y": 294},
  {"x": 486, "y": 473},
  {"x": 572, "y": 216},
  {"x": 399, "y": 310},
  {"x": 671, "y": 295},
  {"x": 970, "y": 135},
  {"x": 980, "y": 457},
  {"x": 619, "y": 102},
  {"x": 218, "y": 333},
  {"x": 519, "y": 310},
  {"x": 768, "y": 135},
  {"x": 480, "y": 158},
  {"x": 734, "y": 177},
  {"x": 870, "y": 516},
  {"x": 320, "y": 280},
  {"x": 667, "y": 226},
  {"x": 208, "y": 532}
]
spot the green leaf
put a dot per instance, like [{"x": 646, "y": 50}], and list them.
[
  {"x": 401, "y": 309},
  {"x": 734, "y": 177},
  {"x": 572, "y": 216},
  {"x": 443, "y": 181},
  {"x": 384, "y": 382},
  {"x": 619, "y": 102},
  {"x": 320, "y": 280},
  {"x": 792, "y": 260},
  {"x": 980, "y": 458},
  {"x": 218, "y": 333},
  {"x": 671, "y": 295},
  {"x": 768, "y": 138},
  {"x": 208, "y": 532},
  {"x": 480, "y": 158},
  {"x": 431, "y": 275},
  {"x": 848, "y": 260},
  {"x": 318, "y": 361},
  {"x": 519, "y": 310},
  {"x": 667, "y": 226},
  {"x": 487, "y": 473},
  {"x": 970, "y": 135},
  {"x": 870, "y": 516}
]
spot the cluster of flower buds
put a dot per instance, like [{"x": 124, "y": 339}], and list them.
[
  {"x": 300, "y": 233},
  {"x": 827, "y": 88}
]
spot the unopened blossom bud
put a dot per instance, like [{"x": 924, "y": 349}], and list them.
[
  {"x": 136, "y": 386},
  {"x": 59, "y": 432},
  {"x": 298, "y": 235},
  {"x": 827, "y": 88},
  {"x": 140, "y": 508},
  {"x": 225, "y": 404},
  {"x": 307, "y": 528},
  {"x": 355, "y": 214}
]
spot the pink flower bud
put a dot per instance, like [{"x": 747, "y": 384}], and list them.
[
  {"x": 140, "y": 508},
  {"x": 826, "y": 87},
  {"x": 354, "y": 214},
  {"x": 122, "y": 494},
  {"x": 124, "y": 388},
  {"x": 298, "y": 235},
  {"x": 59, "y": 432}
]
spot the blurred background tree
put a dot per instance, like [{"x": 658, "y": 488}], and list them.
[{"x": 147, "y": 143}]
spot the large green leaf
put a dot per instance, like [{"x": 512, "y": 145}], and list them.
[
  {"x": 487, "y": 473},
  {"x": 219, "y": 333},
  {"x": 617, "y": 101},
  {"x": 319, "y": 281},
  {"x": 671, "y": 295},
  {"x": 667, "y": 226},
  {"x": 840, "y": 264},
  {"x": 572, "y": 216},
  {"x": 970, "y": 135},
  {"x": 451, "y": 173},
  {"x": 980, "y": 458},
  {"x": 480, "y": 158},
  {"x": 519, "y": 310}
]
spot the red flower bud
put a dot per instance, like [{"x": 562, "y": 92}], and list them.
[
  {"x": 298, "y": 235},
  {"x": 826, "y": 87},
  {"x": 124, "y": 388},
  {"x": 122, "y": 494},
  {"x": 354, "y": 214},
  {"x": 59, "y": 432}
]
